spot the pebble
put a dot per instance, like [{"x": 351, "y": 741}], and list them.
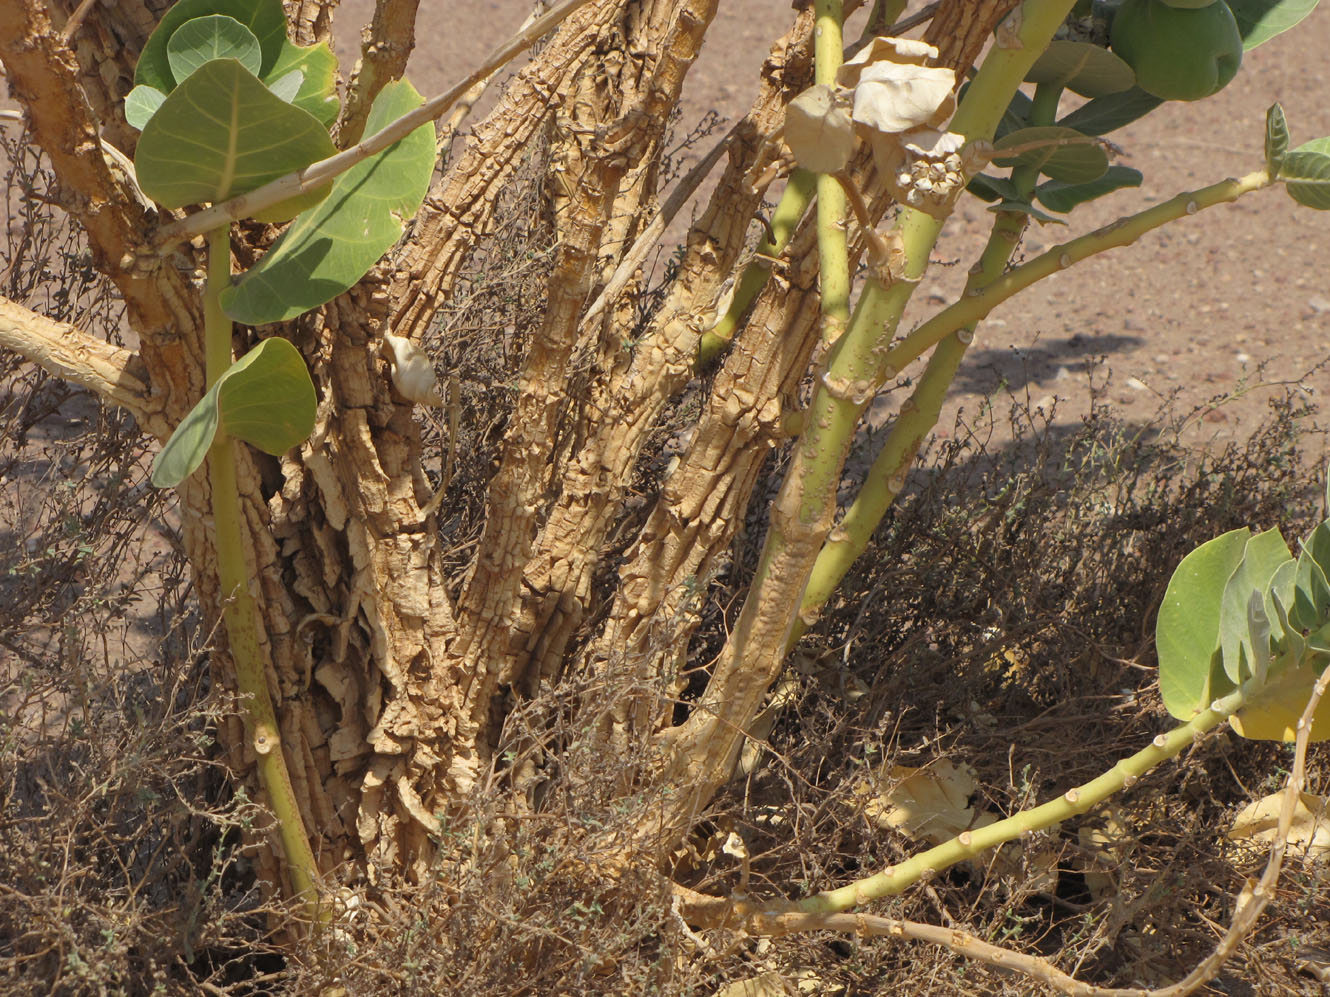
[
  {"x": 1242, "y": 358},
  {"x": 1136, "y": 384},
  {"x": 1318, "y": 304}
]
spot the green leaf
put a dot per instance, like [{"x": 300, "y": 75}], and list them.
[
  {"x": 318, "y": 86},
  {"x": 1278, "y": 598},
  {"x": 1187, "y": 629},
  {"x": 1261, "y": 558},
  {"x": 989, "y": 188},
  {"x": 1105, "y": 114},
  {"x": 327, "y": 250},
  {"x": 1082, "y": 68},
  {"x": 1292, "y": 642},
  {"x": 1017, "y": 115},
  {"x": 1258, "y": 638},
  {"x": 216, "y": 36},
  {"x": 1079, "y": 162},
  {"x": 1260, "y": 20},
  {"x": 1026, "y": 208},
  {"x": 1306, "y": 173},
  {"x": 141, "y": 104},
  {"x": 287, "y": 86},
  {"x": 1058, "y": 196},
  {"x": 1311, "y": 595},
  {"x": 266, "y": 399},
  {"x": 265, "y": 19},
  {"x": 222, "y": 133},
  {"x": 1276, "y": 138}
]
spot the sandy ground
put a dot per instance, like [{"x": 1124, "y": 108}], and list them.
[{"x": 1228, "y": 301}]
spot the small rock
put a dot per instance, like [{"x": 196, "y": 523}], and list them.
[
  {"x": 1132, "y": 325},
  {"x": 1062, "y": 374},
  {"x": 1136, "y": 384},
  {"x": 1242, "y": 358},
  {"x": 1318, "y": 304}
]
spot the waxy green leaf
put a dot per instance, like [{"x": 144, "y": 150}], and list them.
[
  {"x": 141, "y": 104},
  {"x": 204, "y": 39},
  {"x": 223, "y": 133},
  {"x": 1306, "y": 173},
  {"x": 1026, "y": 208},
  {"x": 1260, "y": 20},
  {"x": 1105, "y": 114},
  {"x": 990, "y": 188},
  {"x": 1078, "y": 161},
  {"x": 1276, "y": 138},
  {"x": 1058, "y": 196},
  {"x": 317, "y": 92},
  {"x": 1261, "y": 558},
  {"x": 1083, "y": 68},
  {"x": 1191, "y": 673},
  {"x": 266, "y": 398},
  {"x": 329, "y": 248},
  {"x": 265, "y": 19}
]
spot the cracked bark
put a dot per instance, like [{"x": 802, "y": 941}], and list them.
[{"x": 595, "y": 482}]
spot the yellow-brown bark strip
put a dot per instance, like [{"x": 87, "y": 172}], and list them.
[
  {"x": 111, "y": 372},
  {"x": 385, "y": 44},
  {"x": 457, "y": 212},
  {"x": 596, "y": 480}
]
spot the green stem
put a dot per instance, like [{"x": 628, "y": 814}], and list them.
[
  {"x": 790, "y": 209},
  {"x": 919, "y": 414},
  {"x": 856, "y": 367},
  {"x": 1122, "y": 232},
  {"x": 1070, "y": 804},
  {"x": 240, "y": 611},
  {"x": 833, "y": 254}
]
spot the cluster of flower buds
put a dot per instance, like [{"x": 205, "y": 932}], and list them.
[
  {"x": 893, "y": 98},
  {"x": 923, "y": 179}
]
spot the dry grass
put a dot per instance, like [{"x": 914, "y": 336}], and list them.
[{"x": 1003, "y": 619}]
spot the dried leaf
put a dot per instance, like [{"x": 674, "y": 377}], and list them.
[
  {"x": 819, "y": 131},
  {"x": 902, "y": 51},
  {"x": 767, "y": 984},
  {"x": 930, "y": 803},
  {"x": 894, "y": 98},
  {"x": 1106, "y": 847},
  {"x": 1310, "y": 830}
]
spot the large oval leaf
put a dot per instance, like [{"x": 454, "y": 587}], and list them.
[
  {"x": 216, "y": 36},
  {"x": 266, "y": 399},
  {"x": 1187, "y": 629},
  {"x": 1082, "y": 68},
  {"x": 222, "y": 133},
  {"x": 1058, "y": 196},
  {"x": 317, "y": 65},
  {"x": 1079, "y": 161},
  {"x": 329, "y": 248},
  {"x": 1105, "y": 114},
  {"x": 1260, "y": 20},
  {"x": 1306, "y": 173},
  {"x": 265, "y": 19}
]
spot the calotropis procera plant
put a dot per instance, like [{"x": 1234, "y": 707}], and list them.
[
  {"x": 391, "y": 698},
  {"x": 226, "y": 103}
]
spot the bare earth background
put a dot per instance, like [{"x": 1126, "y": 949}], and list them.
[{"x": 1230, "y": 300}]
